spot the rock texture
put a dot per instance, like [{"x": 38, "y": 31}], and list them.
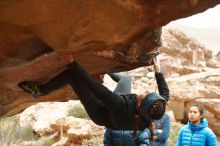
[
  {"x": 192, "y": 73},
  {"x": 76, "y": 129},
  {"x": 52, "y": 119},
  {"x": 103, "y": 36},
  {"x": 193, "y": 76},
  {"x": 47, "y": 113}
]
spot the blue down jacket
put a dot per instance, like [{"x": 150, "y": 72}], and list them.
[
  {"x": 197, "y": 135},
  {"x": 125, "y": 138}
]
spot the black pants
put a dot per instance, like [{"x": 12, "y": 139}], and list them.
[{"x": 98, "y": 100}]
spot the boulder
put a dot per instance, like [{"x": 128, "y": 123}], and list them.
[
  {"x": 41, "y": 115},
  {"x": 103, "y": 36},
  {"x": 76, "y": 129}
]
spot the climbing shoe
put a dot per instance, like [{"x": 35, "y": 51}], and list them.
[{"x": 31, "y": 87}]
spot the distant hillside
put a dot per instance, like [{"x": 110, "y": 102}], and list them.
[{"x": 210, "y": 37}]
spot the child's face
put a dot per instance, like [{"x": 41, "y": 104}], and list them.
[{"x": 194, "y": 115}]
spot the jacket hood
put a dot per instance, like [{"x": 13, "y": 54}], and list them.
[
  {"x": 203, "y": 124},
  {"x": 149, "y": 99}
]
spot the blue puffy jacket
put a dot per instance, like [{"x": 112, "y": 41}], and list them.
[
  {"x": 197, "y": 135},
  {"x": 125, "y": 138}
]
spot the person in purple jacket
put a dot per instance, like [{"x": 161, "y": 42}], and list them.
[{"x": 196, "y": 132}]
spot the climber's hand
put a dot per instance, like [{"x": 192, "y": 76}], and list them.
[{"x": 156, "y": 64}]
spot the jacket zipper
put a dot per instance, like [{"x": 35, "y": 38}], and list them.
[{"x": 191, "y": 138}]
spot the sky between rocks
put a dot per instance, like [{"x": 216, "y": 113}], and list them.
[{"x": 209, "y": 18}]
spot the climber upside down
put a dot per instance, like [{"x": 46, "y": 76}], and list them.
[{"x": 104, "y": 107}]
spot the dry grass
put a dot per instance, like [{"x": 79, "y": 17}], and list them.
[
  {"x": 12, "y": 134},
  {"x": 78, "y": 111},
  {"x": 175, "y": 128}
]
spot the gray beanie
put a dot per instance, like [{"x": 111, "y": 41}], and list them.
[{"x": 149, "y": 99}]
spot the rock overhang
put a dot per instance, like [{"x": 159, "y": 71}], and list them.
[{"x": 103, "y": 36}]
